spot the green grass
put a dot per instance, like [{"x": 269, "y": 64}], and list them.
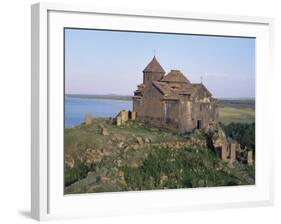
[
  {"x": 236, "y": 115},
  {"x": 144, "y": 167},
  {"x": 182, "y": 168},
  {"x": 83, "y": 136}
]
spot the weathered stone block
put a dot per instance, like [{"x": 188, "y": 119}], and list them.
[
  {"x": 124, "y": 116},
  {"x": 88, "y": 119},
  {"x": 224, "y": 152},
  {"x": 250, "y": 158},
  {"x": 104, "y": 131},
  {"x": 233, "y": 147},
  {"x": 118, "y": 120},
  {"x": 133, "y": 115},
  {"x": 139, "y": 140}
]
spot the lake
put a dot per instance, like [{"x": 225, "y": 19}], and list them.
[{"x": 77, "y": 108}]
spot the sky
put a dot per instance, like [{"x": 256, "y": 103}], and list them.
[{"x": 111, "y": 62}]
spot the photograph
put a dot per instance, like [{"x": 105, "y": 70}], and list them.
[{"x": 157, "y": 111}]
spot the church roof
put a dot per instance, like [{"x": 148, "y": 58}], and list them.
[
  {"x": 174, "y": 85},
  {"x": 200, "y": 88},
  {"x": 154, "y": 66},
  {"x": 171, "y": 91},
  {"x": 175, "y": 76}
]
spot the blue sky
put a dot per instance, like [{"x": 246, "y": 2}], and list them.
[{"x": 110, "y": 62}]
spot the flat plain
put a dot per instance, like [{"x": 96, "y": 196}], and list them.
[{"x": 237, "y": 110}]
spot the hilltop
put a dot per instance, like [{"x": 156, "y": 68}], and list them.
[{"x": 103, "y": 157}]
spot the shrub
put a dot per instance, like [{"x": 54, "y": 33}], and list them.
[
  {"x": 78, "y": 172},
  {"x": 183, "y": 167}
]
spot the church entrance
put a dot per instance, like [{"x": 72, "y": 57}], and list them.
[{"x": 199, "y": 124}]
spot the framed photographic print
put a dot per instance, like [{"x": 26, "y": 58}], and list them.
[{"x": 148, "y": 111}]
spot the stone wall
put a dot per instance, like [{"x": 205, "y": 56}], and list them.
[
  {"x": 123, "y": 116},
  {"x": 184, "y": 113}
]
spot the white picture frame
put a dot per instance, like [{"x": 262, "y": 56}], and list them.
[{"x": 47, "y": 198}]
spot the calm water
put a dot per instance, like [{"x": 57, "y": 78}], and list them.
[{"x": 76, "y": 109}]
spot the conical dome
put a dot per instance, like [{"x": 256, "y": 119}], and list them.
[{"x": 154, "y": 66}]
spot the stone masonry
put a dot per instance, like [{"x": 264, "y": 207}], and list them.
[{"x": 172, "y": 102}]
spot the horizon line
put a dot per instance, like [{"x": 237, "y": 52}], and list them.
[{"x": 126, "y": 95}]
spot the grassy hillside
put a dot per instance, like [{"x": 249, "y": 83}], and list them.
[{"x": 133, "y": 157}]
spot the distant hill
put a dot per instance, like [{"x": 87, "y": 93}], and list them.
[{"x": 237, "y": 103}]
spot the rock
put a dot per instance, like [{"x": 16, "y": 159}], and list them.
[
  {"x": 119, "y": 163},
  {"x": 104, "y": 131},
  {"x": 69, "y": 161},
  {"x": 120, "y": 144},
  {"x": 147, "y": 140},
  {"x": 91, "y": 156},
  {"x": 126, "y": 148},
  {"x": 121, "y": 178},
  {"x": 139, "y": 140},
  {"x": 135, "y": 146},
  {"x": 119, "y": 137},
  {"x": 105, "y": 179},
  {"x": 133, "y": 165},
  {"x": 163, "y": 179}
]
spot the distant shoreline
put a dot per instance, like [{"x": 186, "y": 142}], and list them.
[
  {"x": 107, "y": 97},
  {"x": 223, "y": 102},
  {"x": 128, "y": 97}
]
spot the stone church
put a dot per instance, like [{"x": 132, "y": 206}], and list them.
[{"x": 172, "y": 102}]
